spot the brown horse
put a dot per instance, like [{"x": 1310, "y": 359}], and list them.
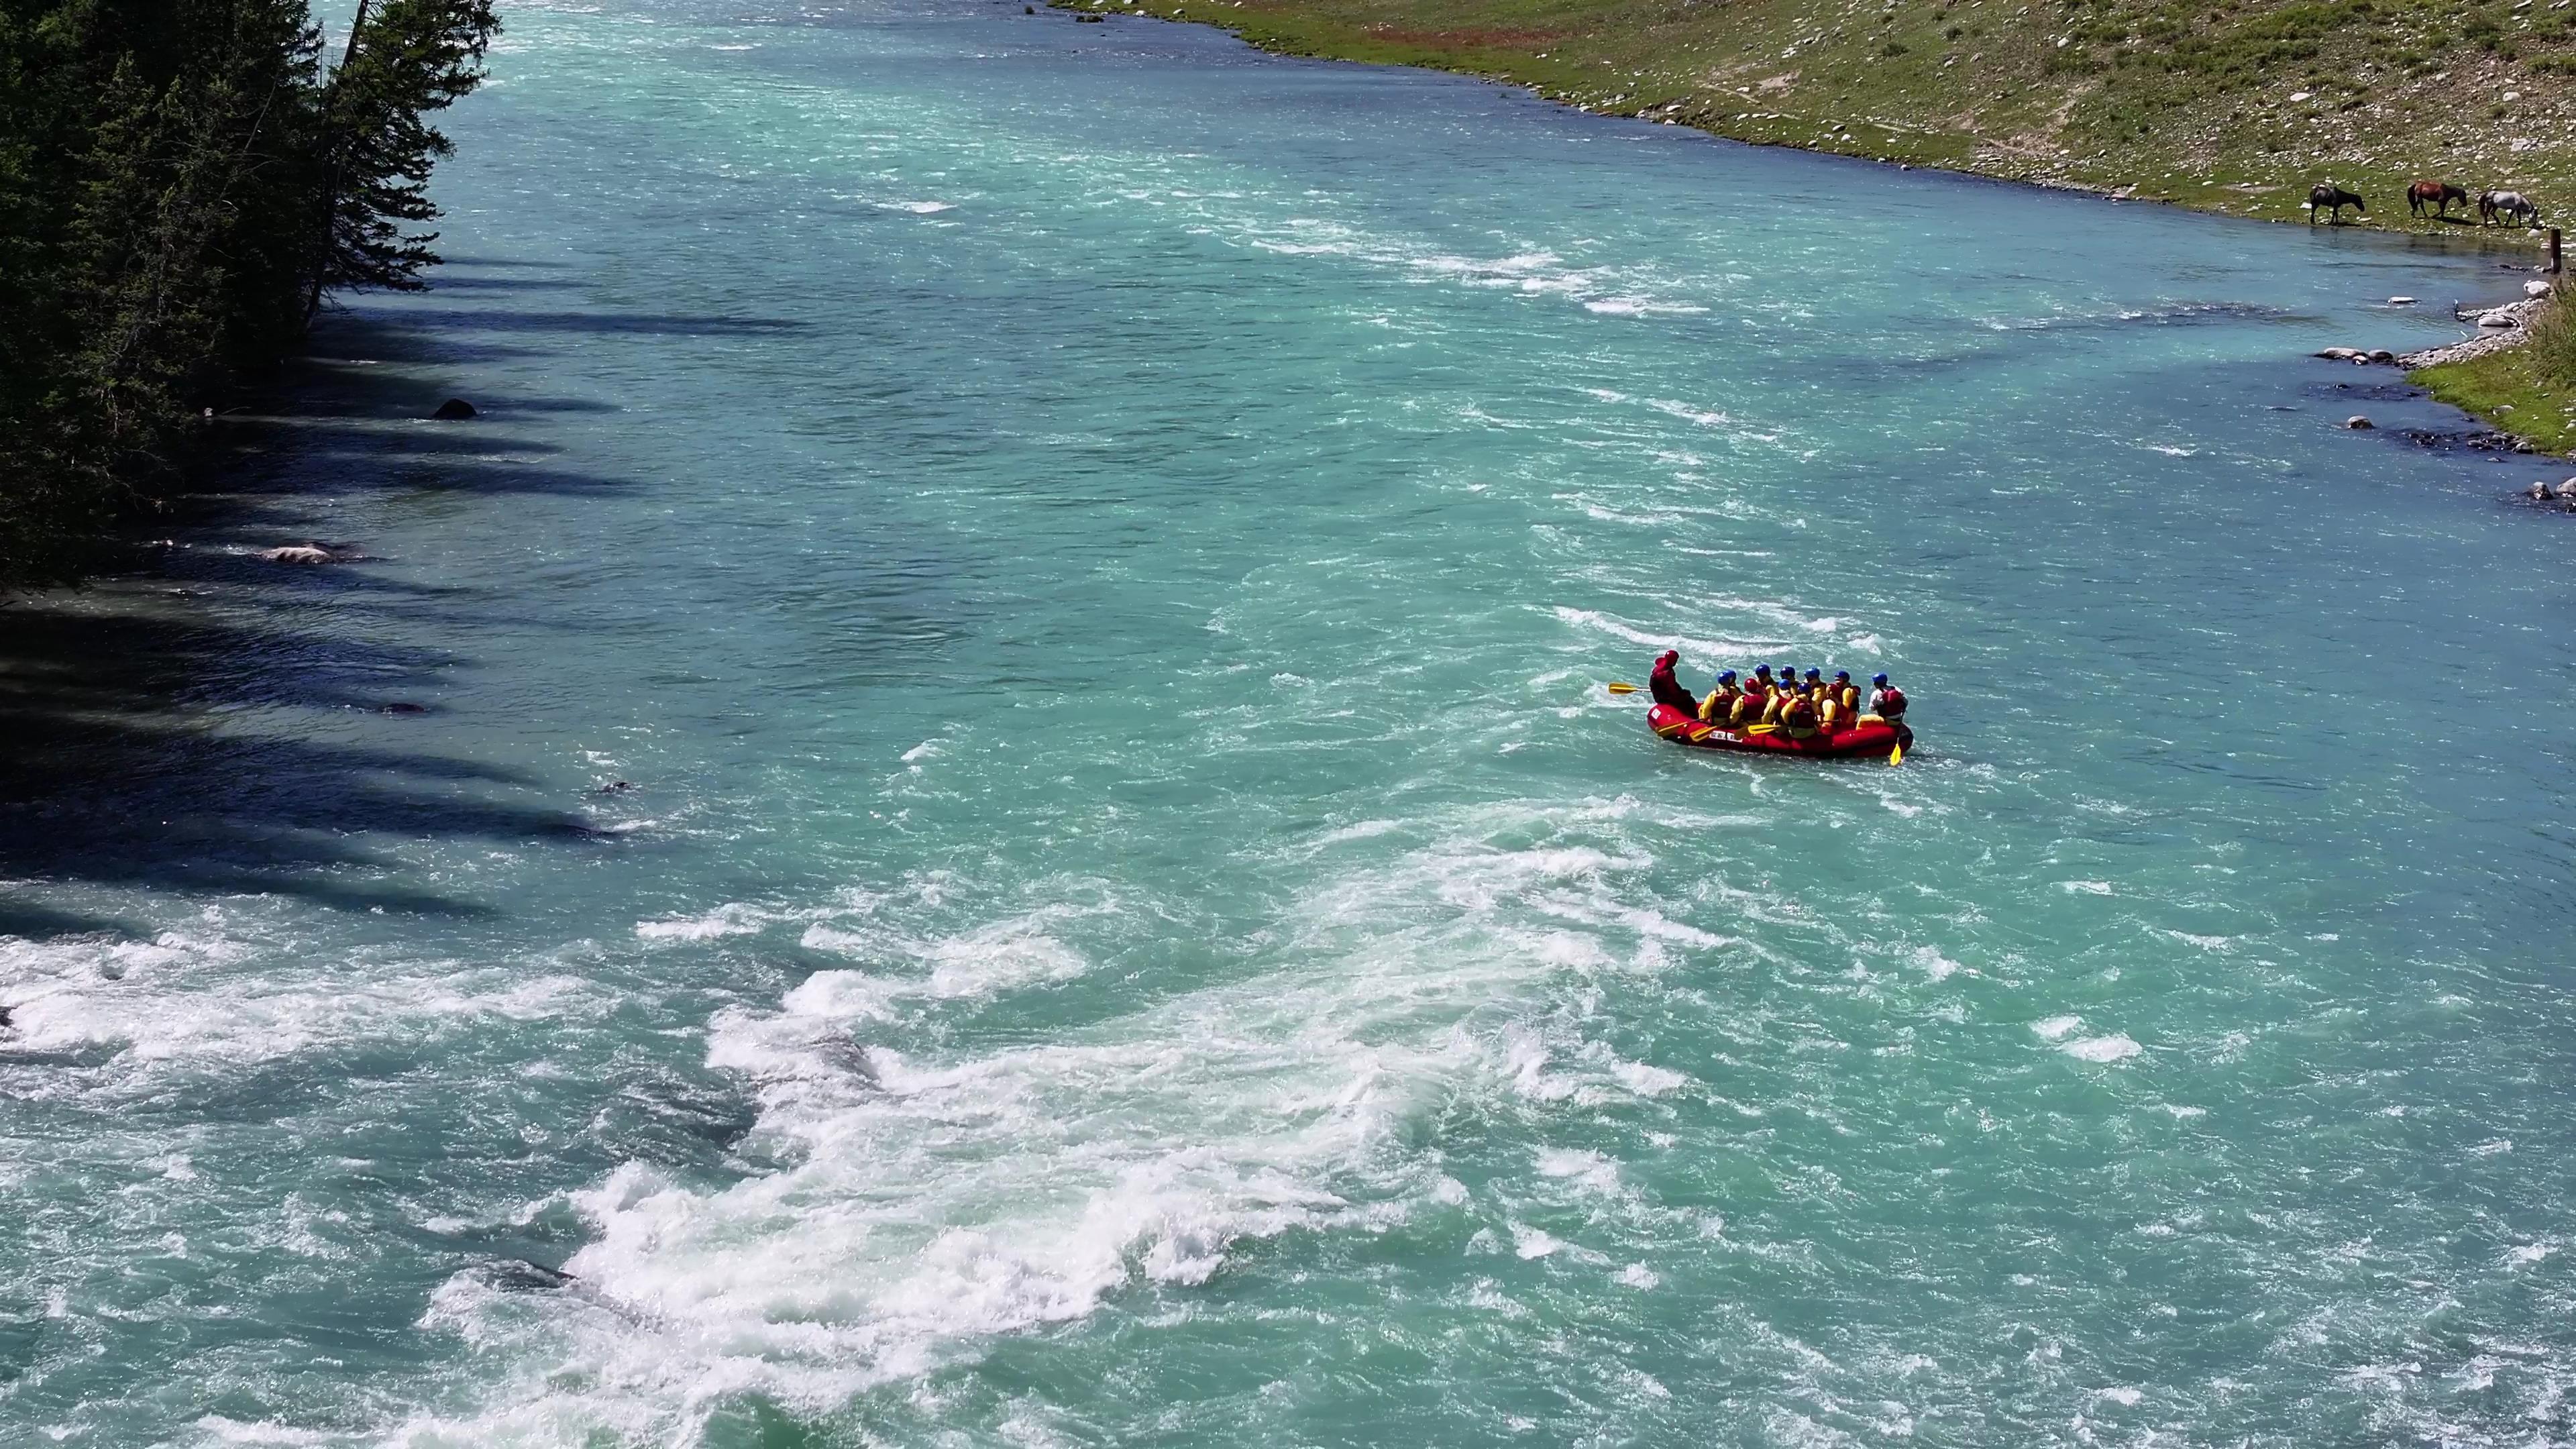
[
  {"x": 2327, "y": 196},
  {"x": 2436, "y": 194}
]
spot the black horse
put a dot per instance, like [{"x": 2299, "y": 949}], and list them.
[{"x": 2333, "y": 198}]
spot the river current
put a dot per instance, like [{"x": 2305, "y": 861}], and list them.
[{"x": 1135, "y": 921}]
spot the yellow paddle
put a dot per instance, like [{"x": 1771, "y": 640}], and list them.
[
  {"x": 1618, "y": 688},
  {"x": 1897, "y": 756}
]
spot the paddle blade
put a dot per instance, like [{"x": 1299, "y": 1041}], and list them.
[
  {"x": 1897, "y": 756},
  {"x": 1619, "y": 688}
]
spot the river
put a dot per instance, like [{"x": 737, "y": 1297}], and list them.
[{"x": 1135, "y": 921}]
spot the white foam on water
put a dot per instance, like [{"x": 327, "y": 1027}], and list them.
[
  {"x": 2116, "y": 1047},
  {"x": 921, "y": 208},
  {"x": 1704, "y": 652},
  {"x": 1648, "y": 1081},
  {"x": 2085, "y": 887},
  {"x": 1642, "y": 307},
  {"x": 928, "y": 1201},
  {"x": 1591, "y": 1171},
  {"x": 191, "y": 1000},
  {"x": 732, "y": 919},
  {"x": 2056, "y": 1027},
  {"x": 2205, "y": 943}
]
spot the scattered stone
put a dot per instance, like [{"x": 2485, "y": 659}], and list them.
[
  {"x": 404, "y": 707},
  {"x": 454, "y": 410},
  {"x": 2341, "y": 354},
  {"x": 2357, "y": 421},
  {"x": 2401, "y": 301},
  {"x": 2536, "y": 289},
  {"x": 2567, "y": 489},
  {"x": 4, "y": 1016},
  {"x": 298, "y": 553},
  {"x": 2500, "y": 317},
  {"x": 2525, "y": 445},
  {"x": 2382, "y": 354},
  {"x": 2537, "y": 492}
]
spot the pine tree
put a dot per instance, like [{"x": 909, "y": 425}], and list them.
[
  {"x": 180, "y": 186},
  {"x": 408, "y": 59}
]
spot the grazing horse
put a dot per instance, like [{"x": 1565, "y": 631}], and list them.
[
  {"x": 2437, "y": 194},
  {"x": 2511, "y": 206},
  {"x": 2335, "y": 199}
]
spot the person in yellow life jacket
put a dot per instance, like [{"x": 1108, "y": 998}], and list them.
[
  {"x": 1719, "y": 707},
  {"x": 1841, "y": 704},
  {"x": 1781, "y": 696},
  {"x": 1757, "y": 696},
  {"x": 1798, "y": 717},
  {"x": 1747, "y": 708}
]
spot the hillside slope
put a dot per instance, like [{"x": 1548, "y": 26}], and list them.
[{"x": 2235, "y": 107}]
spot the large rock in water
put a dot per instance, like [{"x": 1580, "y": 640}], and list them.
[
  {"x": 2357, "y": 421},
  {"x": 454, "y": 410}
]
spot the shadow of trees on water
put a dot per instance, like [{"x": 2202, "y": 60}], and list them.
[
  {"x": 219, "y": 724},
  {"x": 198, "y": 754}
]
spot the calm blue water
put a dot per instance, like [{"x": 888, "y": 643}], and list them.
[{"x": 1135, "y": 922}]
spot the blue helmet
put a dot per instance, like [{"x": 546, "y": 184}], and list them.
[
  {"x": 1879, "y": 679},
  {"x": 1727, "y": 678},
  {"x": 1842, "y": 676},
  {"x": 1762, "y": 669}
]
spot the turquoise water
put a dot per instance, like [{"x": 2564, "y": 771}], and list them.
[{"x": 1136, "y": 922}]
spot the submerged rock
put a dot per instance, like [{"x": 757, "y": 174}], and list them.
[
  {"x": 454, "y": 410},
  {"x": 298, "y": 553},
  {"x": 2358, "y": 421}
]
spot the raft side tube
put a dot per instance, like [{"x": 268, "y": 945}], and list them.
[{"x": 1870, "y": 735}]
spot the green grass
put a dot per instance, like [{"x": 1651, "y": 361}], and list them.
[
  {"x": 2528, "y": 391},
  {"x": 2189, "y": 103}
]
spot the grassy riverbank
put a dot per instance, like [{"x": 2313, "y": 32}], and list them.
[
  {"x": 2235, "y": 108},
  {"x": 2529, "y": 391}
]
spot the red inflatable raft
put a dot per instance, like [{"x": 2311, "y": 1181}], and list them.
[{"x": 1872, "y": 736}]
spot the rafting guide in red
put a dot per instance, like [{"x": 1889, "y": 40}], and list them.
[{"x": 1778, "y": 714}]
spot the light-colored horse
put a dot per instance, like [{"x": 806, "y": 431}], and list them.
[{"x": 2509, "y": 206}]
